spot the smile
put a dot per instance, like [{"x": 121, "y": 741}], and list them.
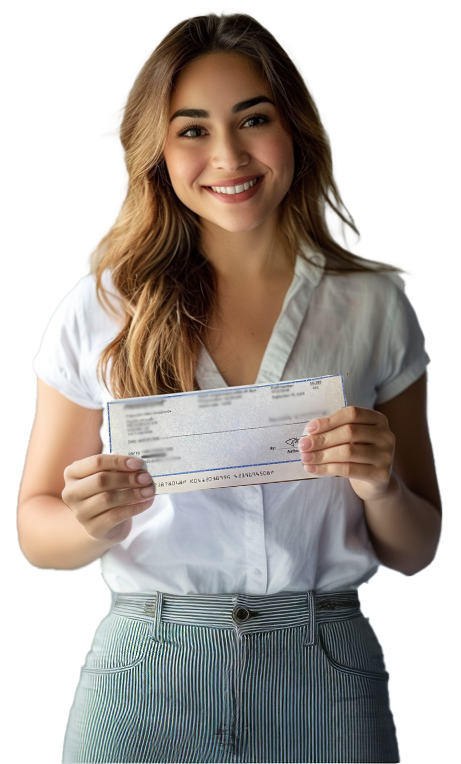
[
  {"x": 234, "y": 189},
  {"x": 242, "y": 192}
]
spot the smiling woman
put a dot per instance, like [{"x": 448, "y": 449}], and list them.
[{"x": 235, "y": 631}]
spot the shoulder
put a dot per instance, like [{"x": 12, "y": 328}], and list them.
[
  {"x": 366, "y": 296},
  {"x": 375, "y": 307},
  {"x": 387, "y": 284},
  {"x": 82, "y": 311},
  {"x": 376, "y": 329},
  {"x": 77, "y": 333}
]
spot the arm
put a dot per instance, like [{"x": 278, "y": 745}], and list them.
[
  {"x": 387, "y": 456},
  {"x": 64, "y": 458},
  {"x": 405, "y": 526}
]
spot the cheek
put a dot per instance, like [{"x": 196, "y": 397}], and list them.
[
  {"x": 184, "y": 167},
  {"x": 279, "y": 154}
]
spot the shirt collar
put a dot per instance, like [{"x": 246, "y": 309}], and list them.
[{"x": 310, "y": 264}]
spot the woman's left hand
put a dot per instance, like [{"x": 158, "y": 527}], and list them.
[{"x": 355, "y": 443}]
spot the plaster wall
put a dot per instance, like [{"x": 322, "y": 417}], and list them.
[{"x": 376, "y": 72}]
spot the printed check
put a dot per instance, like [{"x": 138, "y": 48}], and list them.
[{"x": 223, "y": 437}]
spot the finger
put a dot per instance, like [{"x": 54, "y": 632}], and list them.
[
  {"x": 101, "y": 524},
  {"x": 102, "y": 502},
  {"x": 348, "y": 414},
  {"x": 358, "y": 453},
  {"x": 104, "y": 462},
  {"x": 366, "y": 472},
  {"x": 106, "y": 482},
  {"x": 347, "y": 433}
]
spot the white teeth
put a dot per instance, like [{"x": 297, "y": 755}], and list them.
[{"x": 234, "y": 189}]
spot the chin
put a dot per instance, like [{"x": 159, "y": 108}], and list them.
[
  {"x": 237, "y": 227},
  {"x": 236, "y": 223}
]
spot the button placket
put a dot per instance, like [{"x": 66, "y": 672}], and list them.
[{"x": 253, "y": 538}]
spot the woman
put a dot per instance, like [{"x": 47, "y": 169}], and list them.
[{"x": 235, "y": 632}]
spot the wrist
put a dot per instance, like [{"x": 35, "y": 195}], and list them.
[
  {"x": 102, "y": 544},
  {"x": 118, "y": 533},
  {"x": 392, "y": 492}
]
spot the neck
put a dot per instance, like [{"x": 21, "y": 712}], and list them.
[{"x": 259, "y": 253}]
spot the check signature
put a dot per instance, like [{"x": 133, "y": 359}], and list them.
[{"x": 292, "y": 442}]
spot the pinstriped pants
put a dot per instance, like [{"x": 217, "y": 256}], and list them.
[{"x": 289, "y": 677}]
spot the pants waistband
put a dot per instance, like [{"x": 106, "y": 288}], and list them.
[{"x": 244, "y": 613}]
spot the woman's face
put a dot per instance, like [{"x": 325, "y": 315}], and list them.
[{"x": 229, "y": 157}]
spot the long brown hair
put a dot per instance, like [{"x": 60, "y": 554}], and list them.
[{"x": 166, "y": 286}]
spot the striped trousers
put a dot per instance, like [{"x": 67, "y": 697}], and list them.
[{"x": 289, "y": 677}]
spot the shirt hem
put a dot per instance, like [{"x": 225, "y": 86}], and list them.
[
  {"x": 410, "y": 375},
  {"x": 73, "y": 398}
]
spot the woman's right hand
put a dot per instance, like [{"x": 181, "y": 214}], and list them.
[{"x": 105, "y": 491}]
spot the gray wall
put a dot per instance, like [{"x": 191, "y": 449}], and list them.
[{"x": 377, "y": 75}]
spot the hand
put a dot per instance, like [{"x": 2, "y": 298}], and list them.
[
  {"x": 355, "y": 443},
  {"x": 105, "y": 491}
]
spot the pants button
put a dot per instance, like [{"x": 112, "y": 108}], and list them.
[{"x": 240, "y": 614}]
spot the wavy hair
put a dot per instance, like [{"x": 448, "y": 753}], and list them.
[{"x": 165, "y": 284}]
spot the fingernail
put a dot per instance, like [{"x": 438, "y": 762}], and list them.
[
  {"x": 135, "y": 464},
  {"x": 307, "y": 458},
  {"x": 144, "y": 477},
  {"x": 149, "y": 491},
  {"x": 311, "y": 426},
  {"x": 304, "y": 444}
]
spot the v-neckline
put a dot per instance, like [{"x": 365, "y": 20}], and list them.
[{"x": 305, "y": 278}]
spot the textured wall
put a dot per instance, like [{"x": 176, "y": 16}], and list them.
[{"x": 377, "y": 75}]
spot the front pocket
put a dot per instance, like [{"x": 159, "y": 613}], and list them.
[
  {"x": 119, "y": 644},
  {"x": 351, "y": 647}
]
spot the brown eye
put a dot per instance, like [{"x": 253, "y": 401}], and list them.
[
  {"x": 192, "y": 131},
  {"x": 256, "y": 119}
]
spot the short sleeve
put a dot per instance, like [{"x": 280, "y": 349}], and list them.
[
  {"x": 64, "y": 360},
  {"x": 406, "y": 358}
]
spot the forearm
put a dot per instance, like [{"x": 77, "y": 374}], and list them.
[
  {"x": 404, "y": 528},
  {"x": 50, "y": 536}
]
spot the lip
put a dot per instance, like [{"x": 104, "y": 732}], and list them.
[{"x": 236, "y": 198}]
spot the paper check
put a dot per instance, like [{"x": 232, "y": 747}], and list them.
[{"x": 222, "y": 437}]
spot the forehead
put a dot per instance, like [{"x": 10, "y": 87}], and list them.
[{"x": 217, "y": 79}]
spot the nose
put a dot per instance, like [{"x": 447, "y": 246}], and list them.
[{"x": 228, "y": 153}]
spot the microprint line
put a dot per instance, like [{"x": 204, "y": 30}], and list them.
[{"x": 220, "y": 469}]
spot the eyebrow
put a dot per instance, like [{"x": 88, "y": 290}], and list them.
[{"x": 202, "y": 114}]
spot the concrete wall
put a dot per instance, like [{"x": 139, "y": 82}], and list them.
[{"x": 377, "y": 75}]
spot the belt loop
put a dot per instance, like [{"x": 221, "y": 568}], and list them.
[
  {"x": 311, "y": 626},
  {"x": 158, "y": 616}
]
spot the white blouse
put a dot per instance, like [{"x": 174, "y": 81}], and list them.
[{"x": 259, "y": 539}]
